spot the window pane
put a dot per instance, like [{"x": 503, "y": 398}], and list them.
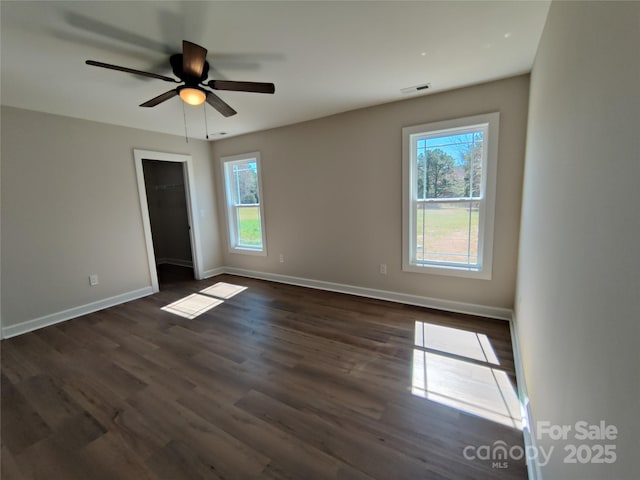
[
  {"x": 449, "y": 165},
  {"x": 249, "y": 227},
  {"x": 246, "y": 230},
  {"x": 245, "y": 183},
  {"x": 447, "y": 232}
]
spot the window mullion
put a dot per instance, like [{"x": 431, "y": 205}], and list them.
[{"x": 469, "y": 235}]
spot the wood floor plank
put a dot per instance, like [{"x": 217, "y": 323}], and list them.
[
  {"x": 171, "y": 463},
  {"x": 200, "y": 441},
  {"x": 299, "y": 458},
  {"x": 133, "y": 431},
  {"x": 22, "y": 426},
  {"x": 48, "y": 398},
  {"x": 276, "y": 382},
  {"x": 15, "y": 366},
  {"x": 49, "y": 459},
  {"x": 9, "y": 469},
  {"x": 77, "y": 431},
  {"x": 116, "y": 459},
  {"x": 363, "y": 453},
  {"x": 148, "y": 372}
]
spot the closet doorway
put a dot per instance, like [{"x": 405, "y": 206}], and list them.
[{"x": 167, "y": 204}]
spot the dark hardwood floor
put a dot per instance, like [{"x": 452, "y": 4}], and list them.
[{"x": 275, "y": 382}]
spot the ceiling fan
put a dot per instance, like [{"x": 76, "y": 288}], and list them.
[{"x": 192, "y": 68}]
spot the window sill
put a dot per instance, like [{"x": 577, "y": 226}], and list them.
[
  {"x": 449, "y": 271},
  {"x": 248, "y": 251}
]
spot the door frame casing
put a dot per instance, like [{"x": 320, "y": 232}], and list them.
[{"x": 194, "y": 232}]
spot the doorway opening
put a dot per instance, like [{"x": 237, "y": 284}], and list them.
[
  {"x": 167, "y": 204},
  {"x": 169, "y": 217}
]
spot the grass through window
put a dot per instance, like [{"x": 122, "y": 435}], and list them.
[{"x": 249, "y": 227}]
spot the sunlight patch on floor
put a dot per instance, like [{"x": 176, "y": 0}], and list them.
[
  {"x": 223, "y": 290},
  {"x": 454, "y": 341},
  {"x": 196, "y": 304},
  {"x": 192, "y": 305},
  {"x": 457, "y": 368}
]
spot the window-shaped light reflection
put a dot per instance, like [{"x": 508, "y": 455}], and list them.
[
  {"x": 223, "y": 290},
  {"x": 192, "y": 305},
  {"x": 457, "y": 368},
  {"x": 198, "y": 303},
  {"x": 455, "y": 341}
]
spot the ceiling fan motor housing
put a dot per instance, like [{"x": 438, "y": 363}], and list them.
[{"x": 176, "y": 65}]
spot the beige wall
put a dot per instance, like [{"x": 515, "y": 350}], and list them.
[
  {"x": 70, "y": 208},
  {"x": 333, "y": 192},
  {"x": 577, "y": 307}
]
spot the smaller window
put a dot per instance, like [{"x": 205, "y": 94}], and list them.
[{"x": 245, "y": 214}]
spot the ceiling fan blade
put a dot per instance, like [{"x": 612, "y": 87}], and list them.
[
  {"x": 256, "y": 87},
  {"x": 131, "y": 70},
  {"x": 160, "y": 98},
  {"x": 219, "y": 104},
  {"x": 193, "y": 58}
]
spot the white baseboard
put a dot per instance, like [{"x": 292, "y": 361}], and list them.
[
  {"x": 420, "y": 301},
  {"x": 213, "y": 272},
  {"x": 530, "y": 442},
  {"x": 428, "y": 302},
  {"x": 174, "y": 261},
  {"x": 53, "y": 318}
]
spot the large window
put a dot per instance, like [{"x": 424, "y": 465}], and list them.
[
  {"x": 245, "y": 217},
  {"x": 449, "y": 172}
]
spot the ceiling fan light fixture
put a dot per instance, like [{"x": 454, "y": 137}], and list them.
[
  {"x": 191, "y": 68},
  {"x": 192, "y": 96}
]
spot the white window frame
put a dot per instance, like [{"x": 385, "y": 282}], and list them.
[
  {"x": 487, "y": 196},
  {"x": 232, "y": 208}
]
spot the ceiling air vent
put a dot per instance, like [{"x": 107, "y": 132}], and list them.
[{"x": 416, "y": 89}]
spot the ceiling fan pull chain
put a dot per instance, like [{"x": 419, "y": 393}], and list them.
[
  {"x": 206, "y": 127},
  {"x": 184, "y": 115}
]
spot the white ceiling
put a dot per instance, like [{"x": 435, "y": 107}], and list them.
[{"x": 324, "y": 57}]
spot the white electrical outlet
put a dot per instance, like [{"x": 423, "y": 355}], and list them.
[
  {"x": 383, "y": 268},
  {"x": 282, "y": 258},
  {"x": 93, "y": 279}
]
